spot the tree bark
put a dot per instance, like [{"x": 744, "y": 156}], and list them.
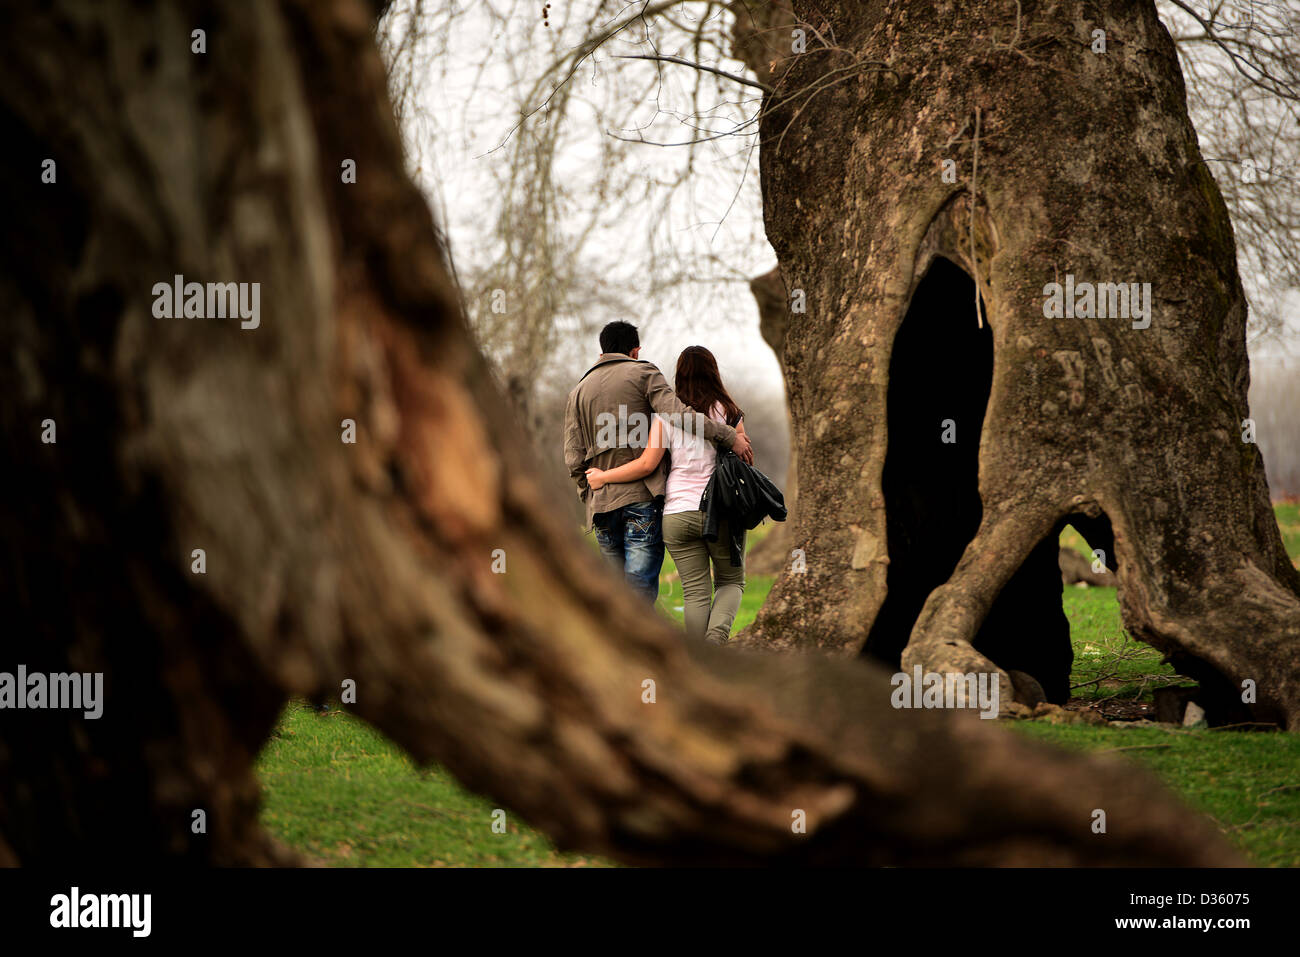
[
  {"x": 771, "y": 555},
  {"x": 1087, "y": 166},
  {"x": 373, "y": 562}
]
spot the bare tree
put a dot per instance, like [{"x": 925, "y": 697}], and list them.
[
  {"x": 553, "y": 188},
  {"x": 1241, "y": 64}
]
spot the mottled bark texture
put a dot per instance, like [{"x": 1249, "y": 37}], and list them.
[
  {"x": 773, "y": 553},
  {"x": 1087, "y": 165},
  {"x": 374, "y": 562}
]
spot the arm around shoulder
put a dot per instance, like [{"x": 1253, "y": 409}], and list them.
[{"x": 664, "y": 401}]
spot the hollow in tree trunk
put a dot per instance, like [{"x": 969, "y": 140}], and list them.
[{"x": 1129, "y": 428}]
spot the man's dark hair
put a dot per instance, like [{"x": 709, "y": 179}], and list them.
[{"x": 619, "y": 336}]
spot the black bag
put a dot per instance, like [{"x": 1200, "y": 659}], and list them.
[{"x": 742, "y": 496}]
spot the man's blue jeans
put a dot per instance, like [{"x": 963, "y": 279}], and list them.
[{"x": 632, "y": 538}]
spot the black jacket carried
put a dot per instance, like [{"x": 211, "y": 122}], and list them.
[{"x": 741, "y": 496}]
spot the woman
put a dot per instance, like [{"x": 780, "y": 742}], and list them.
[{"x": 710, "y": 605}]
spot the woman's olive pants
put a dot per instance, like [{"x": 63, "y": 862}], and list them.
[{"x": 710, "y": 605}]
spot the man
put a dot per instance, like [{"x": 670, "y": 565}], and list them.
[{"x": 607, "y": 424}]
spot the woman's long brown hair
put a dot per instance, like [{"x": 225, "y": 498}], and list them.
[{"x": 699, "y": 384}]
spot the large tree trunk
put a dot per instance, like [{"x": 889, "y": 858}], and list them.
[
  {"x": 374, "y": 562},
  {"x": 1087, "y": 165},
  {"x": 773, "y": 554}
]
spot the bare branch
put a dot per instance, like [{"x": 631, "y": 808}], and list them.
[{"x": 700, "y": 66}]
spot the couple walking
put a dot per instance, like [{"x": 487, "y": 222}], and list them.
[{"x": 642, "y": 456}]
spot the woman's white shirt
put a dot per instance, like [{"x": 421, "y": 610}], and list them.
[{"x": 693, "y": 460}]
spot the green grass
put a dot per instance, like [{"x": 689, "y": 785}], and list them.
[
  {"x": 1246, "y": 781},
  {"x": 1072, "y": 539},
  {"x": 341, "y": 793},
  {"x": 1288, "y": 519},
  {"x": 1107, "y": 662}
]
